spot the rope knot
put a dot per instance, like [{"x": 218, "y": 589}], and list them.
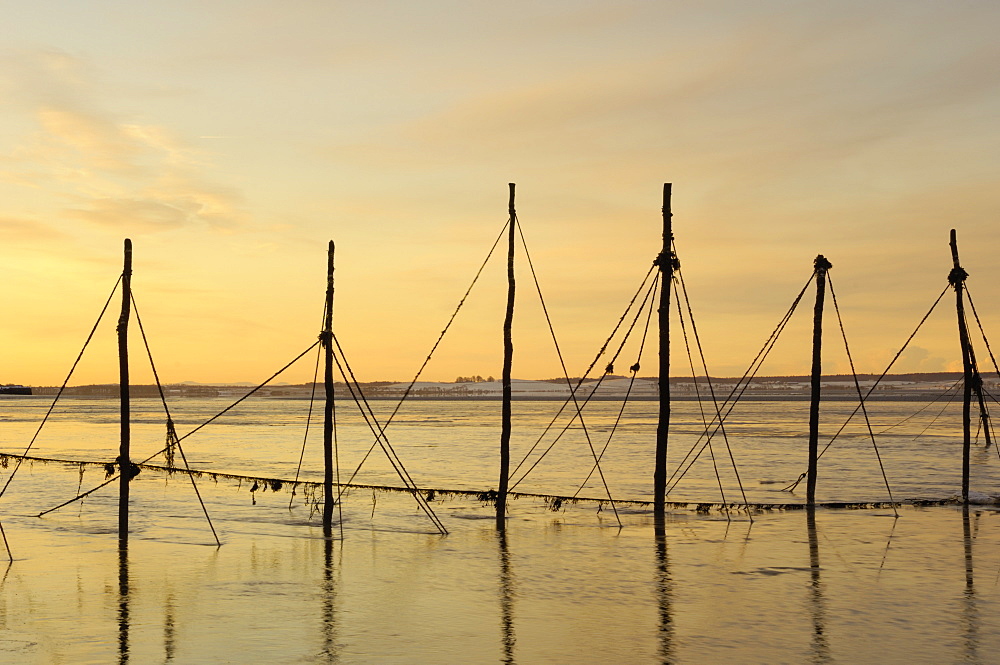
[
  {"x": 667, "y": 260},
  {"x": 325, "y": 338},
  {"x": 129, "y": 468},
  {"x": 957, "y": 276},
  {"x": 821, "y": 263},
  {"x": 610, "y": 369}
]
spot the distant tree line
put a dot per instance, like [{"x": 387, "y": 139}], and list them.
[{"x": 473, "y": 379}]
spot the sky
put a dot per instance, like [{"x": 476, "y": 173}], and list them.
[{"x": 230, "y": 141}]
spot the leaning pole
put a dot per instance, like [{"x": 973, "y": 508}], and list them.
[
  {"x": 665, "y": 261},
  {"x": 328, "y": 405},
  {"x": 124, "y": 461},
  {"x": 821, "y": 266},
  {"x": 508, "y": 356},
  {"x": 957, "y": 279}
]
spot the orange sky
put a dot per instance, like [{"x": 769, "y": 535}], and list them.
[{"x": 231, "y": 141}]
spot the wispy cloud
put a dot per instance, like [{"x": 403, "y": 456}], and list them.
[
  {"x": 26, "y": 229},
  {"x": 111, "y": 169}
]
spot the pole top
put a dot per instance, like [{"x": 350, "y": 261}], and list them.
[
  {"x": 821, "y": 263},
  {"x": 510, "y": 202},
  {"x": 953, "y": 242}
]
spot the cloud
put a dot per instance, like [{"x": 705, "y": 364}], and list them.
[
  {"x": 25, "y": 229},
  {"x": 115, "y": 170}
]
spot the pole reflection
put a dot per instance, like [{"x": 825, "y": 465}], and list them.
[
  {"x": 820, "y": 644},
  {"x": 330, "y": 653},
  {"x": 970, "y": 611},
  {"x": 506, "y": 599},
  {"x": 123, "y": 619},
  {"x": 664, "y": 590}
]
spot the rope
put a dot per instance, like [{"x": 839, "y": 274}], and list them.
[
  {"x": 172, "y": 440},
  {"x": 381, "y": 438},
  {"x": 461, "y": 303},
  {"x": 562, "y": 363},
  {"x": 857, "y": 386},
  {"x": 738, "y": 390},
  {"x": 981, "y": 331},
  {"x": 336, "y": 465},
  {"x": 711, "y": 388},
  {"x": 305, "y": 436},
  {"x": 586, "y": 374},
  {"x": 621, "y": 411},
  {"x": 586, "y": 401},
  {"x": 114, "y": 477},
  {"x": 59, "y": 393},
  {"x": 697, "y": 391},
  {"x": 277, "y": 484},
  {"x": 873, "y": 386},
  {"x": 921, "y": 409}
]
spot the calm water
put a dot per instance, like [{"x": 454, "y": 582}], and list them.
[{"x": 564, "y": 586}]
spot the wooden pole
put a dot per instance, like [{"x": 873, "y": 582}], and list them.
[
  {"x": 124, "y": 461},
  {"x": 821, "y": 265},
  {"x": 666, "y": 263},
  {"x": 977, "y": 389},
  {"x": 957, "y": 279},
  {"x": 508, "y": 356},
  {"x": 328, "y": 404}
]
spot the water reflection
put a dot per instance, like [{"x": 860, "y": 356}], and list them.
[
  {"x": 330, "y": 652},
  {"x": 123, "y": 618},
  {"x": 970, "y": 611},
  {"x": 820, "y": 644},
  {"x": 169, "y": 647},
  {"x": 506, "y": 599},
  {"x": 664, "y": 591}
]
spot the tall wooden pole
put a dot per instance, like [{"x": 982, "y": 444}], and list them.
[
  {"x": 821, "y": 265},
  {"x": 666, "y": 263},
  {"x": 328, "y": 404},
  {"x": 977, "y": 388},
  {"x": 957, "y": 279},
  {"x": 508, "y": 357},
  {"x": 124, "y": 461}
]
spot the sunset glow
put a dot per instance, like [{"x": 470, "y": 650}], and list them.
[{"x": 230, "y": 141}]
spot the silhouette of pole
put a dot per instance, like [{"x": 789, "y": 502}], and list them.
[
  {"x": 821, "y": 265},
  {"x": 328, "y": 404},
  {"x": 124, "y": 461},
  {"x": 508, "y": 356},
  {"x": 666, "y": 263},
  {"x": 957, "y": 278}
]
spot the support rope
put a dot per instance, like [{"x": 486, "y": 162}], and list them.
[
  {"x": 587, "y": 399},
  {"x": 554, "y": 500},
  {"x": 114, "y": 477},
  {"x": 562, "y": 364},
  {"x": 737, "y": 391},
  {"x": 59, "y": 393},
  {"x": 634, "y": 369},
  {"x": 380, "y": 436},
  {"x": 711, "y": 387},
  {"x": 172, "y": 440},
  {"x": 312, "y": 403},
  {"x": 586, "y": 374},
  {"x": 873, "y": 386},
  {"x": 857, "y": 386}
]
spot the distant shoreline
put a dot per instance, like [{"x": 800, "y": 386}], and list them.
[{"x": 916, "y": 396}]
